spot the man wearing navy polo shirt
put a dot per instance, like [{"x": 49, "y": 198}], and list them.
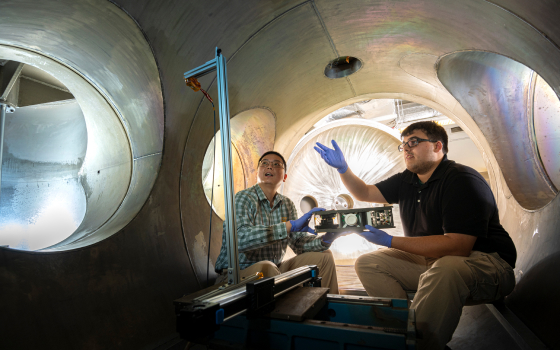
[{"x": 454, "y": 251}]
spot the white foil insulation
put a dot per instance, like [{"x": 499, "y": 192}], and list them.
[{"x": 370, "y": 149}]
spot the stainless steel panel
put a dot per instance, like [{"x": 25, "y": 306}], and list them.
[
  {"x": 546, "y": 117},
  {"x": 496, "y": 92},
  {"x": 42, "y": 200},
  {"x": 287, "y": 57},
  {"x": 102, "y": 43},
  {"x": 384, "y": 32},
  {"x": 103, "y": 281},
  {"x": 107, "y": 143},
  {"x": 143, "y": 168},
  {"x": 104, "y": 196},
  {"x": 113, "y": 76}
]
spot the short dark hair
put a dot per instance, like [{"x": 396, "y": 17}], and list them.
[
  {"x": 275, "y": 153},
  {"x": 433, "y": 130}
]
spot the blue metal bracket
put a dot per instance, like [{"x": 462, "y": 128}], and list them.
[{"x": 218, "y": 64}]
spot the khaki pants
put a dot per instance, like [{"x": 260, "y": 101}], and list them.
[
  {"x": 324, "y": 261},
  {"x": 443, "y": 286}
]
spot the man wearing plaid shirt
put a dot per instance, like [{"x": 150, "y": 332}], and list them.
[{"x": 267, "y": 223}]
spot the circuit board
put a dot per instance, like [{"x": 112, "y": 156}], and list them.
[{"x": 348, "y": 220}]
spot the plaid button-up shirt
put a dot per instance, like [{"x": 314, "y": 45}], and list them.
[{"x": 261, "y": 230}]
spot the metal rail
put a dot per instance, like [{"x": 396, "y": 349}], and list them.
[
  {"x": 230, "y": 296},
  {"x": 3, "y": 107},
  {"x": 218, "y": 64}
]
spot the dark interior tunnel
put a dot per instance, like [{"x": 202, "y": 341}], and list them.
[{"x": 133, "y": 191}]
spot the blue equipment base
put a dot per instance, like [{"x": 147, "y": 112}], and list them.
[{"x": 344, "y": 323}]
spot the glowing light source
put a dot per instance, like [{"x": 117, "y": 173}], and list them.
[{"x": 54, "y": 222}]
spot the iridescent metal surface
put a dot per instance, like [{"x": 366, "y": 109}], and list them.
[
  {"x": 252, "y": 134},
  {"x": 278, "y": 51},
  {"x": 496, "y": 91},
  {"x": 114, "y": 57},
  {"x": 546, "y": 118}
]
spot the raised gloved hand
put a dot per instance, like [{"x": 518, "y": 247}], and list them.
[
  {"x": 332, "y": 157},
  {"x": 300, "y": 225},
  {"x": 376, "y": 236},
  {"x": 329, "y": 237}
]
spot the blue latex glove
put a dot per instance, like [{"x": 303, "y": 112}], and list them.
[
  {"x": 329, "y": 237},
  {"x": 376, "y": 236},
  {"x": 300, "y": 225},
  {"x": 308, "y": 229},
  {"x": 332, "y": 157}
]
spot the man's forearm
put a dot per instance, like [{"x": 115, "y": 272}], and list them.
[
  {"x": 288, "y": 226},
  {"x": 252, "y": 237},
  {"x": 432, "y": 246},
  {"x": 355, "y": 185}
]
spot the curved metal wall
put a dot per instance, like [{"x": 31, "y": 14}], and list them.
[
  {"x": 498, "y": 92},
  {"x": 277, "y": 51},
  {"x": 546, "y": 112},
  {"x": 103, "y": 51}
]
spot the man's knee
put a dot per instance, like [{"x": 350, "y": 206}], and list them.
[
  {"x": 324, "y": 260},
  {"x": 450, "y": 266},
  {"x": 328, "y": 256},
  {"x": 360, "y": 264},
  {"x": 449, "y": 273},
  {"x": 268, "y": 268},
  {"x": 319, "y": 258},
  {"x": 367, "y": 262}
]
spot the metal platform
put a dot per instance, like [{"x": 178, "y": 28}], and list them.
[{"x": 344, "y": 322}]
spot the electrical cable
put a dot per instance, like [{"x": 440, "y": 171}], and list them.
[
  {"x": 211, "y": 199},
  {"x": 195, "y": 86}
]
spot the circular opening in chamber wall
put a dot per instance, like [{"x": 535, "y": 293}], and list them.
[
  {"x": 368, "y": 132},
  {"x": 307, "y": 203},
  {"x": 343, "y": 201},
  {"x": 116, "y": 87},
  {"x": 42, "y": 200},
  {"x": 252, "y": 134},
  {"x": 212, "y": 175},
  {"x": 67, "y": 161},
  {"x": 528, "y": 120},
  {"x": 342, "y": 67}
]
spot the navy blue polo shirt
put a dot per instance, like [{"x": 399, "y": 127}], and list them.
[{"x": 456, "y": 199}]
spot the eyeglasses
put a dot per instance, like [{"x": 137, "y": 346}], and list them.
[
  {"x": 275, "y": 164},
  {"x": 413, "y": 142}
]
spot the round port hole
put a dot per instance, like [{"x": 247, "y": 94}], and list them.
[{"x": 342, "y": 67}]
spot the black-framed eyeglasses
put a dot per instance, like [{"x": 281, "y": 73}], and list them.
[
  {"x": 413, "y": 142},
  {"x": 274, "y": 164}
]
